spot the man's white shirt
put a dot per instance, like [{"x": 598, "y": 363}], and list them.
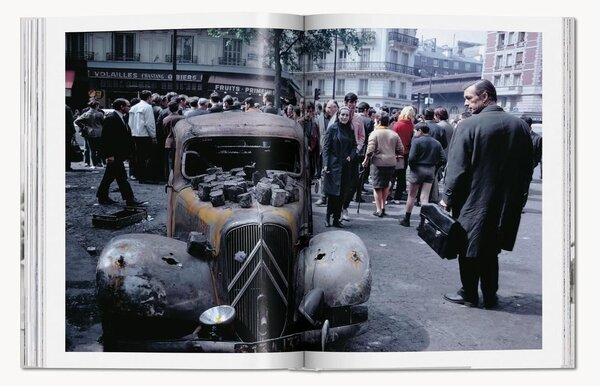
[{"x": 141, "y": 120}]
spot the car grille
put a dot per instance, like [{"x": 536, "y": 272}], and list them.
[{"x": 257, "y": 268}]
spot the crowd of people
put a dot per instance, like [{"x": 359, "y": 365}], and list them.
[{"x": 485, "y": 158}]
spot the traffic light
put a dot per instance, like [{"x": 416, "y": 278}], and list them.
[
  {"x": 416, "y": 98},
  {"x": 317, "y": 93}
]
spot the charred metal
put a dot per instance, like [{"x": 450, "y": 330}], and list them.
[{"x": 240, "y": 200}]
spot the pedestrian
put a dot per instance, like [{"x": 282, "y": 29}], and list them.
[
  {"x": 339, "y": 150},
  {"x": 249, "y": 106},
  {"x": 90, "y": 125},
  {"x": 201, "y": 110},
  {"x": 289, "y": 111},
  {"x": 215, "y": 101},
  {"x": 116, "y": 147},
  {"x": 193, "y": 102},
  {"x": 143, "y": 130},
  {"x": 69, "y": 133},
  {"x": 169, "y": 144},
  {"x": 311, "y": 132},
  {"x": 404, "y": 128},
  {"x": 436, "y": 132},
  {"x": 487, "y": 178},
  {"x": 383, "y": 149},
  {"x": 369, "y": 126},
  {"x": 426, "y": 154},
  {"x": 358, "y": 127},
  {"x": 440, "y": 116},
  {"x": 323, "y": 121},
  {"x": 268, "y": 100},
  {"x": 536, "y": 140}
]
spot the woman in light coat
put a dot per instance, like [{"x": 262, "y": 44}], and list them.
[{"x": 383, "y": 150}]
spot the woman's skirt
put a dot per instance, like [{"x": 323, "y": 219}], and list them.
[{"x": 381, "y": 176}]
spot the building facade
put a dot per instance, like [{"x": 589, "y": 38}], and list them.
[
  {"x": 513, "y": 63},
  {"x": 109, "y": 65},
  {"x": 381, "y": 74},
  {"x": 432, "y": 60},
  {"x": 445, "y": 91}
]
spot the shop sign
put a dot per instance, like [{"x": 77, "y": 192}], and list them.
[{"x": 143, "y": 75}]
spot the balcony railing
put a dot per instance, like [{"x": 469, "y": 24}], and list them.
[
  {"x": 227, "y": 61},
  {"x": 402, "y": 96},
  {"x": 80, "y": 55},
  {"x": 121, "y": 57},
  {"x": 181, "y": 59},
  {"x": 357, "y": 66},
  {"x": 363, "y": 92},
  {"x": 391, "y": 94},
  {"x": 406, "y": 40}
]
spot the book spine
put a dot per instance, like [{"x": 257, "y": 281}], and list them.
[
  {"x": 569, "y": 193},
  {"x": 33, "y": 58}
]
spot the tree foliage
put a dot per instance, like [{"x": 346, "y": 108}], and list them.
[{"x": 287, "y": 47}]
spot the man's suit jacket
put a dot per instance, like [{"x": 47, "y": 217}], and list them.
[{"x": 116, "y": 140}]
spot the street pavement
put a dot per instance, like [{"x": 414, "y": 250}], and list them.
[
  {"x": 407, "y": 311},
  {"x": 406, "y": 308}
]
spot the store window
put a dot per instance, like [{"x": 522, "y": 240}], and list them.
[
  {"x": 124, "y": 46},
  {"x": 185, "y": 49},
  {"x": 363, "y": 87},
  {"x": 232, "y": 52},
  {"x": 341, "y": 87}
]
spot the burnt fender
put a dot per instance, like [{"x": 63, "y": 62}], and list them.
[
  {"x": 338, "y": 263},
  {"x": 151, "y": 276}
]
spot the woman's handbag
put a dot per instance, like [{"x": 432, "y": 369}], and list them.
[
  {"x": 399, "y": 163},
  {"x": 75, "y": 155},
  {"x": 441, "y": 232}
]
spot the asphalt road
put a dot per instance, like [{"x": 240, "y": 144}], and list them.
[{"x": 406, "y": 308}]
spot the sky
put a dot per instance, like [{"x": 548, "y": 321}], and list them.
[{"x": 447, "y": 37}]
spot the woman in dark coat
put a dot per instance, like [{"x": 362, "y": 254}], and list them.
[{"x": 339, "y": 149}]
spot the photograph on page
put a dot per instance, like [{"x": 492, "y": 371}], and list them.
[{"x": 296, "y": 197}]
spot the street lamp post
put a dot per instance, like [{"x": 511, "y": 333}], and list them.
[
  {"x": 334, "y": 62},
  {"x": 429, "y": 95},
  {"x": 174, "y": 59}
]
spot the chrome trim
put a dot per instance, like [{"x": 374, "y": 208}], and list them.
[
  {"x": 244, "y": 266},
  {"x": 246, "y": 285},
  {"x": 268, "y": 271},
  {"x": 270, "y": 254}
]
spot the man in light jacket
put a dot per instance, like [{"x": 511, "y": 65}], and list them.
[{"x": 143, "y": 131}]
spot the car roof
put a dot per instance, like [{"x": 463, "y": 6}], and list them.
[{"x": 237, "y": 124}]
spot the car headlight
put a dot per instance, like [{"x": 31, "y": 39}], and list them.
[{"x": 219, "y": 315}]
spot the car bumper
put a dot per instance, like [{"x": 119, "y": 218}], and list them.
[{"x": 292, "y": 342}]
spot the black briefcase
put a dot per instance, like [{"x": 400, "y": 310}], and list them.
[{"x": 441, "y": 232}]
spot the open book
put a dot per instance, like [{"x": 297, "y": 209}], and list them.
[{"x": 220, "y": 257}]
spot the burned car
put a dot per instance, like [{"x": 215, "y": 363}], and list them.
[{"x": 239, "y": 269}]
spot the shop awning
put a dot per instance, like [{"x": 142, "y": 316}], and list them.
[
  {"x": 246, "y": 81},
  {"x": 69, "y": 79}
]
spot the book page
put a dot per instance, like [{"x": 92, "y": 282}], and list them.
[
  {"x": 118, "y": 57},
  {"x": 542, "y": 349},
  {"x": 411, "y": 324}
]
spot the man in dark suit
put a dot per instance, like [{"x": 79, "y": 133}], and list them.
[
  {"x": 487, "y": 178},
  {"x": 201, "y": 110},
  {"x": 116, "y": 146},
  {"x": 269, "y": 107}
]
